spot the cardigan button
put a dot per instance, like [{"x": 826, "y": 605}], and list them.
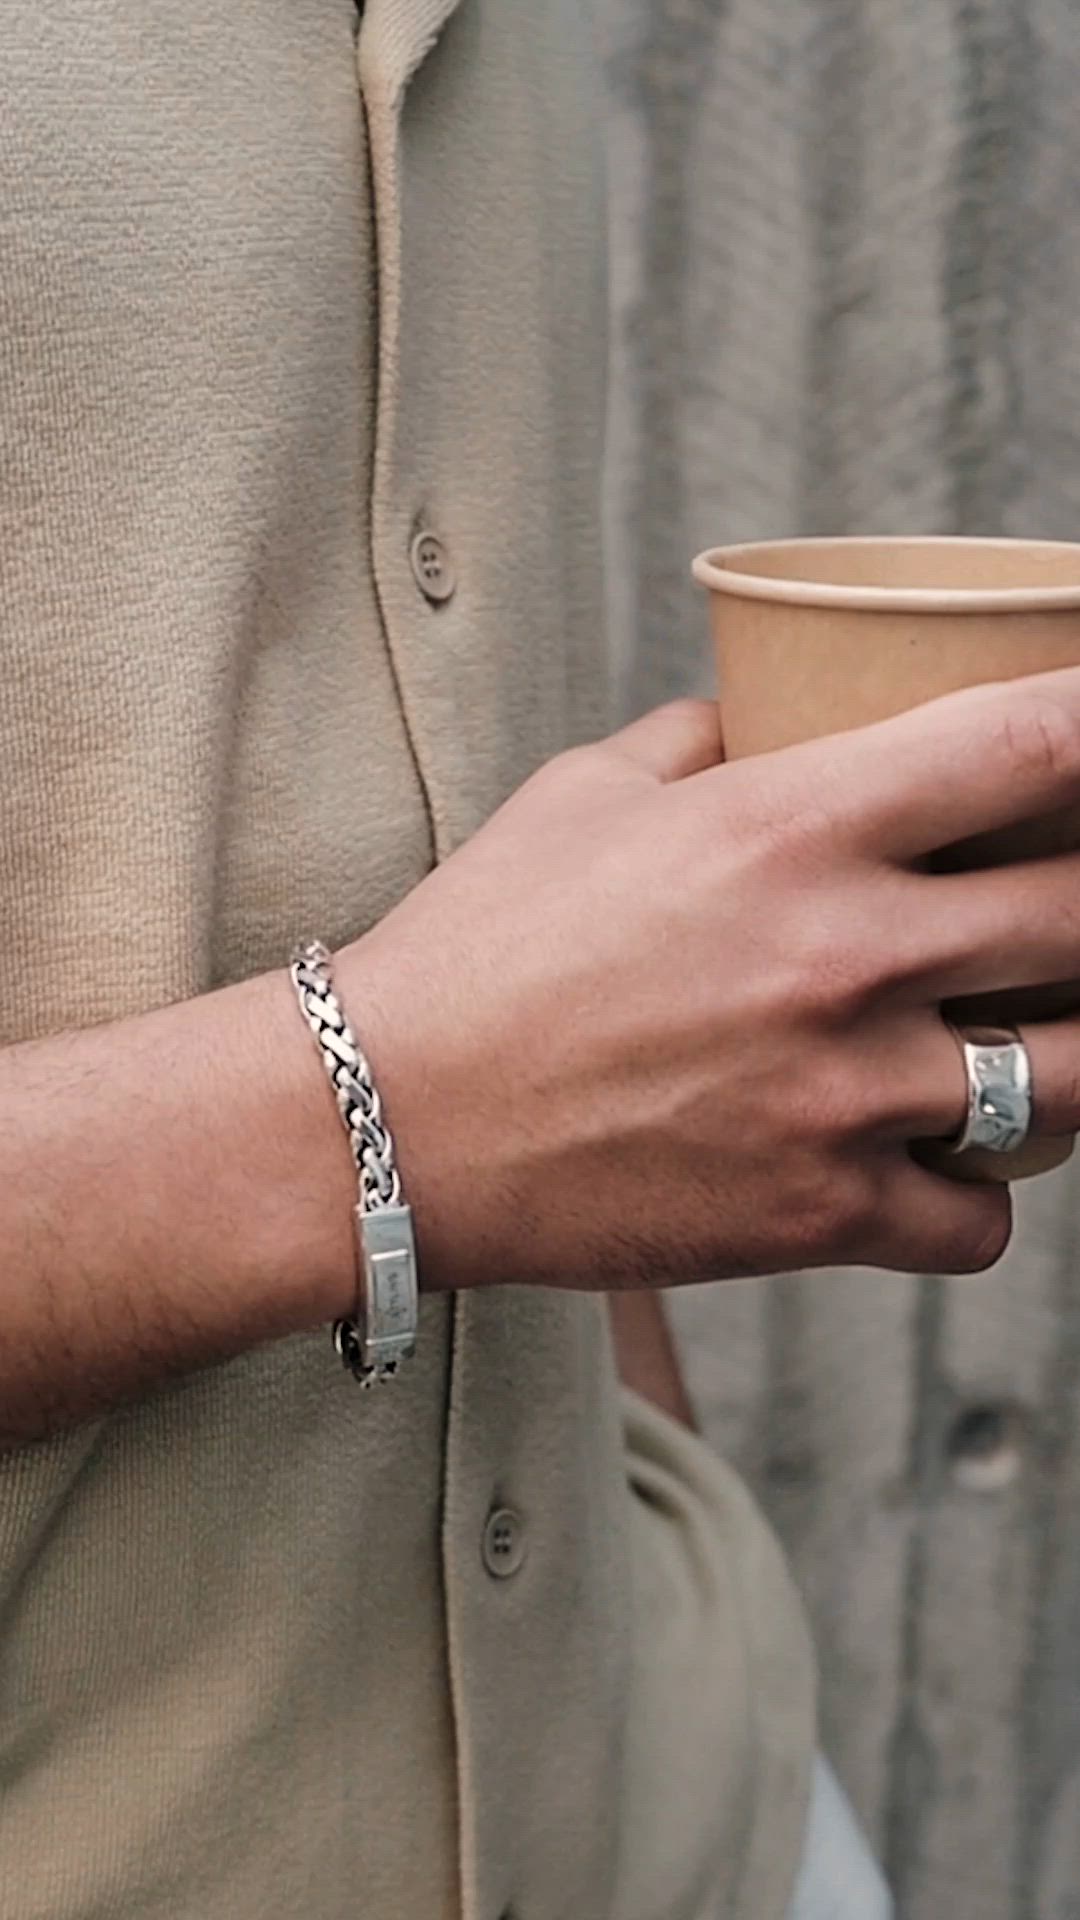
[
  {"x": 432, "y": 568},
  {"x": 503, "y": 1546}
]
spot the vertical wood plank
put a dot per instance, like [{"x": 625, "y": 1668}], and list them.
[{"x": 846, "y": 297}]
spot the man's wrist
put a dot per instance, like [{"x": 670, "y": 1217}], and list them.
[{"x": 390, "y": 999}]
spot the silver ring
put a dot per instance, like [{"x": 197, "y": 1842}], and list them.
[{"x": 999, "y": 1090}]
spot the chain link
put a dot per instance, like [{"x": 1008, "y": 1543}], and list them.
[{"x": 370, "y": 1140}]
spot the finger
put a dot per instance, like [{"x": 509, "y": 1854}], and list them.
[
  {"x": 973, "y": 933},
  {"x": 930, "y": 1224},
  {"x": 674, "y": 741},
  {"x": 967, "y": 764},
  {"x": 1054, "y": 1051},
  {"x": 915, "y": 1087},
  {"x": 919, "y": 1088}
]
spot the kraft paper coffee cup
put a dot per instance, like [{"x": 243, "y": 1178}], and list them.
[{"x": 816, "y": 636}]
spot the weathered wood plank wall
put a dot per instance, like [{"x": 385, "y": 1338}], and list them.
[{"x": 846, "y": 249}]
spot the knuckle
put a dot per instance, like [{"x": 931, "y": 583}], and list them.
[
  {"x": 825, "y": 1102},
  {"x": 836, "y": 967},
  {"x": 977, "y": 1242},
  {"x": 565, "y": 774},
  {"x": 767, "y": 811},
  {"x": 1040, "y": 739},
  {"x": 851, "y": 973},
  {"x": 829, "y": 931},
  {"x": 574, "y": 763},
  {"x": 830, "y": 1214},
  {"x": 840, "y": 1102},
  {"x": 895, "y": 948},
  {"x": 855, "y": 1211},
  {"x": 687, "y": 713}
]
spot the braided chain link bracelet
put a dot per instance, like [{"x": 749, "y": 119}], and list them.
[{"x": 383, "y": 1332}]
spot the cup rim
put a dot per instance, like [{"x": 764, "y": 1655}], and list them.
[{"x": 715, "y": 569}]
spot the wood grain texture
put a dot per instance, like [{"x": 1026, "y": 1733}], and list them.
[{"x": 846, "y": 297}]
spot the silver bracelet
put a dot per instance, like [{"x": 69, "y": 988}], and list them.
[{"x": 383, "y": 1333}]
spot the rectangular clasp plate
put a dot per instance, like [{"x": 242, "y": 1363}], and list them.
[{"x": 391, "y": 1296}]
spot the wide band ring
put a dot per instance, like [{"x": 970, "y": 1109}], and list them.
[{"x": 999, "y": 1090}]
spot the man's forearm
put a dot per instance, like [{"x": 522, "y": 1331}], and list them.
[
  {"x": 177, "y": 1187},
  {"x": 173, "y": 1188}
]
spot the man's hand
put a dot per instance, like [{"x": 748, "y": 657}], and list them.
[
  {"x": 661, "y": 1020},
  {"x": 666, "y": 1020}
]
